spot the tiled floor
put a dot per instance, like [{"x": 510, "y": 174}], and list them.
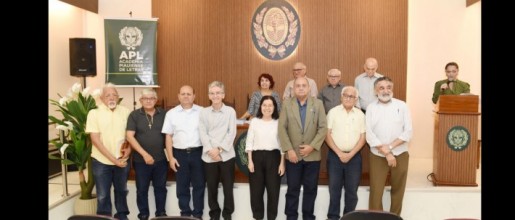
[{"x": 55, "y": 188}]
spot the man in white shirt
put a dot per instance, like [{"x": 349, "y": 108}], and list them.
[
  {"x": 184, "y": 150},
  {"x": 389, "y": 128},
  {"x": 364, "y": 83},
  {"x": 299, "y": 70}
]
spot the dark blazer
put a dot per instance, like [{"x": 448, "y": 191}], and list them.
[{"x": 290, "y": 130}]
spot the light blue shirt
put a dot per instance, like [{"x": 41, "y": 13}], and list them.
[{"x": 182, "y": 124}]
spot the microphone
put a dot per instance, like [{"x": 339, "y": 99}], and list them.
[{"x": 444, "y": 88}]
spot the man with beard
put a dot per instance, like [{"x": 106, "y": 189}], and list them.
[{"x": 388, "y": 130}]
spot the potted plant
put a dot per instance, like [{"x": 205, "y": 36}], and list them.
[{"x": 76, "y": 143}]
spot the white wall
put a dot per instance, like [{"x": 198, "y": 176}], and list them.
[
  {"x": 64, "y": 22},
  {"x": 439, "y": 31},
  {"x": 67, "y": 21}
]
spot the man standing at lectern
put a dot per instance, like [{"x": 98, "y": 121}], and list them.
[
  {"x": 451, "y": 85},
  {"x": 388, "y": 130}
]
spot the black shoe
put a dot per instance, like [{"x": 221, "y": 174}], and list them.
[
  {"x": 143, "y": 217},
  {"x": 161, "y": 214}
]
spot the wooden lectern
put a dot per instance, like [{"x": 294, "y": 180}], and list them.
[{"x": 455, "y": 140}]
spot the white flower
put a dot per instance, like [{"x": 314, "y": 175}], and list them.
[
  {"x": 70, "y": 94},
  {"x": 63, "y": 100},
  {"x": 85, "y": 92},
  {"x": 96, "y": 93},
  {"x": 61, "y": 127},
  {"x": 76, "y": 88},
  {"x": 70, "y": 124},
  {"x": 63, "y": 148}
]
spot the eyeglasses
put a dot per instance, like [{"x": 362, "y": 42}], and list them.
[
  {"x": 215, "y": 93},
  {"x": 348, "y": 96},
  {"x": 148, "y": 99},
  {"x": 295, "y": 70},
  {"x": 333, "y": 76}
]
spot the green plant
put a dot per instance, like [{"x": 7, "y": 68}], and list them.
[{"x": 76, "y": 143}]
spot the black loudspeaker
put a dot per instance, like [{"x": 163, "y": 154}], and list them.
[{"x": 83, "y": 59}]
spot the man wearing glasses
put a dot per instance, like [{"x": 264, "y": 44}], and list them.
[
  {"x": 217, "y": 127},
  {"x": 299, "y": 70},
  {"x": 330, "y": 94},
  {"x": 345, "y": 138},
  {"x": 144, "y": 134}
]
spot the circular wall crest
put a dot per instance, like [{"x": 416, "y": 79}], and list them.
[
  {"x": 458, "y": 138},
  {"x": 275, "y": 29}
]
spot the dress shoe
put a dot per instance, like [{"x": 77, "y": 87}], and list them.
[
  {"x": 161, "y": 214},
  {"x": 143, "y": 217}
]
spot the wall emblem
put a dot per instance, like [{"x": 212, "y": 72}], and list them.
[
  {"x": 130, "y": 37},
  {"x": 458, "y": 138},
  {"x": 275, "y": 29}
]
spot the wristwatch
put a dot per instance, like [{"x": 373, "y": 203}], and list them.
[{"x": 390, "y": 146}]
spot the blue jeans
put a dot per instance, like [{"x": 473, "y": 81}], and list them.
[
  {"x": 346, "y": 175},
  {"x": 157, "y": 173},
  {"x": 191, "y": 172},
  {"x": 105, "y": 175},
  {"x": 303, "y": 173}
]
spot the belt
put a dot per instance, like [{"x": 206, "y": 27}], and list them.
[{"x": 189, "y": 149}]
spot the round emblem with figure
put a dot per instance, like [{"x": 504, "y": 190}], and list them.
[
  {"x": 275, "y": 29},
  {"x": 242, "y": 158},
  {"x": 458, "y": 138},
  {"x": 130, "y": 37}
]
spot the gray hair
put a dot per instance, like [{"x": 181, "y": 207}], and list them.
[
  {"x": 148, "y": 91},
  {"x": 109, "y": 86},
  {"x": 335, "y": 71},
  {"x": 384, "y": 78},
  {"x": 351, "y": 88},
  {"x": 216, "y": 84}
]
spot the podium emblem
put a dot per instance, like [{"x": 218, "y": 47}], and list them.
[
  {"x": 458, "y": 138},
  {"x": 242, "y": 159}
]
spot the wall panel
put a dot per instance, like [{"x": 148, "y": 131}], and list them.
[{"x": 200, "y": 41}]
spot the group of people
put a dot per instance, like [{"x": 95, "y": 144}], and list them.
[{"x": 284, "y": 137}]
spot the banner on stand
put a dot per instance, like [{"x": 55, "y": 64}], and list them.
[{"x": 131, "y": 52}]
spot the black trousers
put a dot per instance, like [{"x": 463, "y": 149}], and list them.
[
  {"x": 266, "y": 168},
  {"x": 215, "y": 173}
]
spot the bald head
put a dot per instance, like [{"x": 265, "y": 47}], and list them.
[
  {"x": 186, "y": 96},
  {"x": 370, "y": 66}
]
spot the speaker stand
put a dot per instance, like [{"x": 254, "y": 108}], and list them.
[{"x": 84, "y": 82}]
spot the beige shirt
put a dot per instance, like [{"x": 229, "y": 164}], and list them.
[
  {"x": 111, "y": 125},
  {"x": 346, "y": 127}
]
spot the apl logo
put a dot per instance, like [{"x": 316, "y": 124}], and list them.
[
  {"x": 275, "y": 29},
  {"x": 130, "y": 37},
  {"x": 458, "y": 138}
]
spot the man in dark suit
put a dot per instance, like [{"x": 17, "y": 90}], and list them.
[{"x": 302, "y": 130}]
